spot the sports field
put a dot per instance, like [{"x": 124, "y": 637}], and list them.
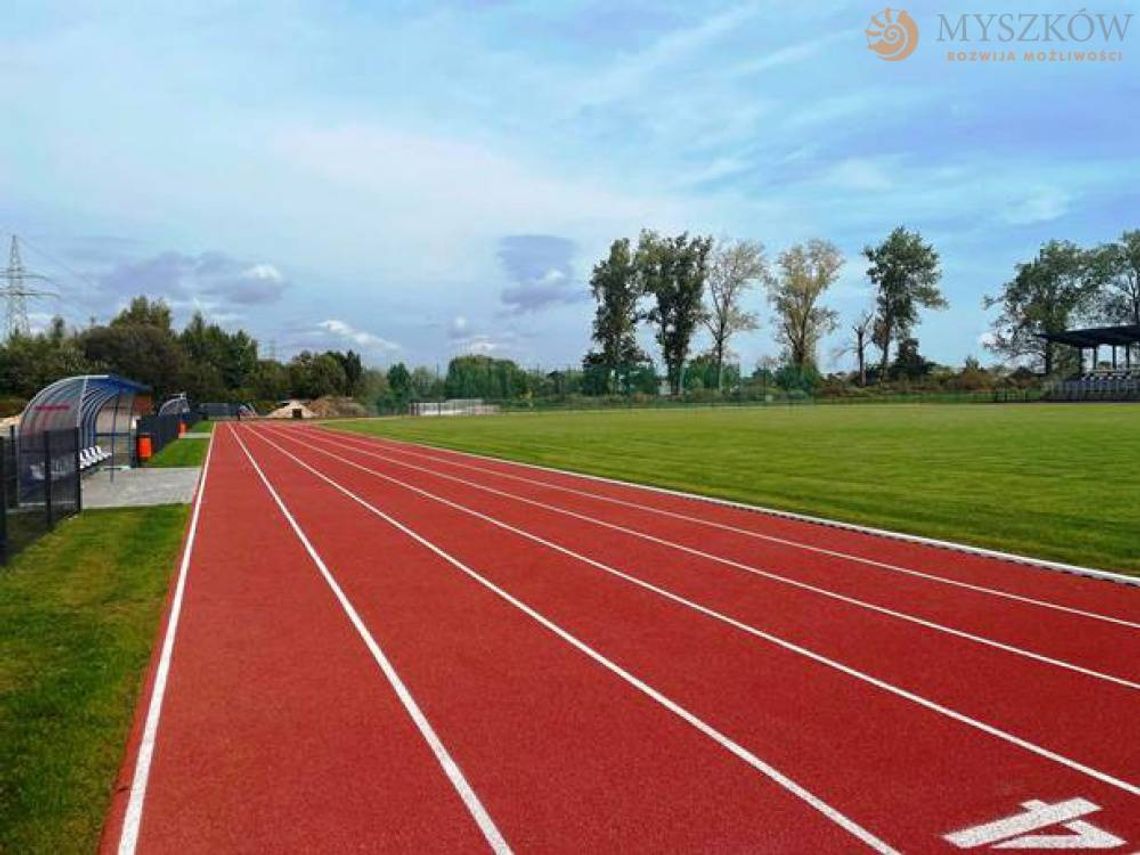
[
  {"x": 374, "y": 645},
  {"x": 1058, "y": 482}
]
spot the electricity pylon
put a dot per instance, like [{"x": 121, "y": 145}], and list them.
[{"x": 16, "y": 290}]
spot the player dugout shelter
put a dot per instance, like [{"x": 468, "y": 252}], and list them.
[{"x": 98, "y": 408}]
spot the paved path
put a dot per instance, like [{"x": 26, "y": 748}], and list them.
[{"x": 132, "y": 488}]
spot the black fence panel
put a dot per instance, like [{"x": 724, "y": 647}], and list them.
[
  {"x": 163, "y": 430},
  {"x": 40, "y": 485}
]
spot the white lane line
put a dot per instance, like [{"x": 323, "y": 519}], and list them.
[
  {"x": 708, "y": 730},
  {"x": 450, "y": 768},
  {"x": 898, "y": 691},
  {"x": 796, "y": 544},
  {"x": 766, "y": 574},
  {"x": 132, "y": 819}
]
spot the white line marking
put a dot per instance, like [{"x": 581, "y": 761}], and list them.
[
  {"x": 1013, "y": 832},
  {"x": 775, "y": 577},
  {"x": 708, "y": 730},
  {"x": 450, "y": 767},
  {"x": 933, "y": 706},
  {"x": 1037, "y": 563},
  {"x": 132, "y": 819}
]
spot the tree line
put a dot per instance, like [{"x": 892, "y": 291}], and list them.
[
  {"x": 681, "y": 285},
  {"x": 203, "y": 360},
  {"x": 679, "y": 288},
  {"x": 1064, "y": 286}
]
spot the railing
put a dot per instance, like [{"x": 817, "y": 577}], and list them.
[{"x": 39, "y": 486}]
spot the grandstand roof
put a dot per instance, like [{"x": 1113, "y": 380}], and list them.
[
  {"x": 1096, "y": 336},
  {"x": 75, "y": 402}
]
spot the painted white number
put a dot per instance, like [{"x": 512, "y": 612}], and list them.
[{"x": 1030, "y": 829}]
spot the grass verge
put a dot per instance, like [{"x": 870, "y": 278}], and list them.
[
  {"x": 78, "y": 615},
  {"x": 181, "y": 452},
  {"x": 1054, "y": 481}
]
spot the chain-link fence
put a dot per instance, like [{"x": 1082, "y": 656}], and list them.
[{"x": 40, "y": 485}]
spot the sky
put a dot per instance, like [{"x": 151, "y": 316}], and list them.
[{"x": 417, "y": 180}]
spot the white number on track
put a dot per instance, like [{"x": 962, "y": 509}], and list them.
[{"x": 1030, "y": 829}]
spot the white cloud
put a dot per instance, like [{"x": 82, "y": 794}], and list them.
[
  {"x": 368, "y": 341},
  {"x": 266, "y": 272},
  {"x": 861, "y": 173},
  {"x": 1039, "y": 206}
]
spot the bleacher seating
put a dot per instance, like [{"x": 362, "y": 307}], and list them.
[{"x": 1104, "y": 384}]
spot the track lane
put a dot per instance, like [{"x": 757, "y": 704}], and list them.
[
  {"x": 1065, "y": 712},
  {"x": 989, "y": 575},
  {"x": 564, "y": 756},
  {"x": 922, "y": 766},
  {"x": 1095, "y": 644},
  {"x": 275, "y": 712}
]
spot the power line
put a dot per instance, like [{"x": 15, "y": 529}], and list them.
[{"x": 16, "y": 291}]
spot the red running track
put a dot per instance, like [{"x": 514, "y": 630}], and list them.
[{"x": 376, "y": 646}]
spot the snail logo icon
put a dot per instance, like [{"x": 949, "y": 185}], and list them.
[{"x": 892, "y": 34}]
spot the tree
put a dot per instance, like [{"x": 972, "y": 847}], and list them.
[
  {"x": 1044, "y": 296},
  {"x": 909, "y": 364},
  {"x": 270, "y": 381},
  {"x": 426, "y": 384},
  {"x": 400, "y": 383},
  {"x": 145, "y": 312},
  {"x": 315, "y": 375},
  {"x": 30, "y": 362},
  {"x": 143, "y": 352},
  {"x": 353, "y": 369},
  {"x": 733, "y": 268},
  {"x": 1120, "y": 268},
  {"x": 616, "y": 288},
  {"x": 906, "y": 272},
  {"x": 861, "y": 332},
  {"x": 805, "y": 273},
  {"x": 673, "y": 271}
]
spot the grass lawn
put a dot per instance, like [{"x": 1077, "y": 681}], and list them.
[
  {"x": 1054, "y": 481},
  {"x": 203, "y": 426},
  {"x": 182, "y": 452},
  {"x": 78, "y": 615}
]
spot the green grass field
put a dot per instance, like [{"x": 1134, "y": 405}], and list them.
[
  {"x": 182, "y": 452},
  {"x": 1053, "y": 481},
  {"x": 79, "y": 611},
  {"x": 203, "y": 426}
]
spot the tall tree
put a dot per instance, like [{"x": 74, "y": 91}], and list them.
[
  {"x": 861, "y": 332},
  {"x": 906, "y": 272},
  {"x": 734, "y": 268},
  {"x": 145, "y": 312},
  {"x": 1120, "y": 268},
  {"x": 400, "y": 383},
  {"x": 673, "y": 270},
  {"x": 805, "y": 272},
  {"x": 614, "y": 283},
  {"x": 1044, "y": 296}
]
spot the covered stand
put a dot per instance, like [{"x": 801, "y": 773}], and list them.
[
  {"x": 179, "y": 405},
  {"x": 96, "y": 410}
]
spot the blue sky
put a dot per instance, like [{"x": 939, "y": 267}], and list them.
[{"x": 418, "y": 179}]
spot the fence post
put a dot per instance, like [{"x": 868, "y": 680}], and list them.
[
  {"x": 3, "y": 502},
  {"x": 78, "y": 479},
  {"x": 47, "y": 480}
]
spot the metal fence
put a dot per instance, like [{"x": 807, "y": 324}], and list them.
[
  {"x": 163, "y": 430},
  {"x": 39, "y": 486}
]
